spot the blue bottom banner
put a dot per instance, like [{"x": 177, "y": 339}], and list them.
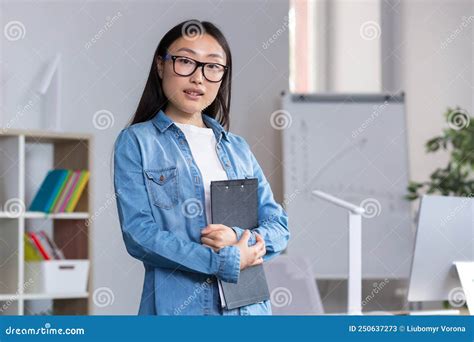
[{"x": 256, "y": 328}]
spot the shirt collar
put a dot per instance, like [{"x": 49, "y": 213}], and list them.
[{"x": 163, "y": 122}]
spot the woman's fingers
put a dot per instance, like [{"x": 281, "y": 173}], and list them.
[
  {"x": 212, "y": 228},
  {"x": 259, "y": 248},
  {"x": 263, "y": 250},
  {"x": 244, "y": 239},
  {"x": 260, "y": 243},
  {"x": 209, "y": 242},
  {"x": 209, "y": 236},
  {"x": 257, "y": 262},
  {"x": 259, "y": 239},
  {"x": 251, "y": 255}
]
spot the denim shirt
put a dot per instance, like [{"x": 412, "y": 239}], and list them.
[{"x": 160, "y": 202}]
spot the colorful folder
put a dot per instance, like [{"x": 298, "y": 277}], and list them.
[
  {"x": 60, "y": 191},
  {"x": 49, "y": 190},
  {"x": 78, "y": 191}
]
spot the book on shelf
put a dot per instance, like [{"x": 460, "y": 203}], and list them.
[
  {"x": 31, "y": 251},
  {"x": 60, "y": 191},
  {"x": 67, "y": 187},
  {"x": 39, "y": 246},
  {"x": 78, "y": 190},
  {"x": 55, "y": 251}
]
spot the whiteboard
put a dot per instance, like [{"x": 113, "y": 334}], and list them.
[{"x": 353, "y": 147}]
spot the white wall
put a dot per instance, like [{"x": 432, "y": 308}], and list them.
[
  {"x": 110, "y": 74},
  {"x": 353, "y": 62},
  {"x": 436, "y": 54}
]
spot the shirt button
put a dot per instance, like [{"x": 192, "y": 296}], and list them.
[{"x": 162, "y": 178}]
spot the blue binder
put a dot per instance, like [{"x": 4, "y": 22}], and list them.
[{"x": 48, "y": 190}]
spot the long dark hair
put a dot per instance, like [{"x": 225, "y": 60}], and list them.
[{"x": 153, "y": 98}]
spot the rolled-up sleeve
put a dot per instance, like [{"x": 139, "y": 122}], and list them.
[{"x": 148, "y": 241}]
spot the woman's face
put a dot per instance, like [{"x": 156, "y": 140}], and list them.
[{"x": 179, "y": 89}]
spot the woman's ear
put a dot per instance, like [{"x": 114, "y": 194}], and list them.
[{"x": 160, "y": 66}]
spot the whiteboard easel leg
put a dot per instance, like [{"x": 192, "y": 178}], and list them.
[{"x": 354, "y": 287}]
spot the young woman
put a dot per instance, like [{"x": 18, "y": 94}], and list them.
[{"x": 164, "y": 162}]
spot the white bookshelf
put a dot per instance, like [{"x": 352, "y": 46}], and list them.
[
  {"x": 70, "y": 231},
  {"x": 41, "y": 215}
]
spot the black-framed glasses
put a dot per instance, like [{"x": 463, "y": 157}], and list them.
[{"x": 185, "y": 66}]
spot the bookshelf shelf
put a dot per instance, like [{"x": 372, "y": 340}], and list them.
[
  {"x": 65, "y": 216},
  {"x": 41, "y": 215},
  {"x": 25, "y": 158},
  {"x": 42, "y": 296},
  {"x": 8, "y": 297},
  {"x": 5, "y": 215}
]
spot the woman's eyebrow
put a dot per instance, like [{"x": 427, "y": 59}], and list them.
[{"x": 218, "y": 55}]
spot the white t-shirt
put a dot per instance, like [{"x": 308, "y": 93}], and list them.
[{"x": 203, "y": 148}]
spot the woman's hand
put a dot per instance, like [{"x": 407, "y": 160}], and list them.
[
  {"x": 253, "y": 255},
  {"x": 218, "y": 236}
]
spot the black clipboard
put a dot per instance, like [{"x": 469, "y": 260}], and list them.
[{"x": 235, "y": 203}]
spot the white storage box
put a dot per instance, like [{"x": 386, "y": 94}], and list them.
[{"x": 56, "y": 276}]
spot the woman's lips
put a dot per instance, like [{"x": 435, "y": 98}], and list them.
[{"x": 192, "y": 95}]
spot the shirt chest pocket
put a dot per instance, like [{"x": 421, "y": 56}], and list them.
[{"x": 163, "y": 185}]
